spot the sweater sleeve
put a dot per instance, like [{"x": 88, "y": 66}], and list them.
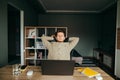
[
  {"x": 73, "y": 42},
  {"x": 45, "y": 40}
]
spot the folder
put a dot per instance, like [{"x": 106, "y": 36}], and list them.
[{"x": 89, "y": 72}]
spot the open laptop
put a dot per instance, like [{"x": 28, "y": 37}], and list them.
[{"x": 57, "y": 67}]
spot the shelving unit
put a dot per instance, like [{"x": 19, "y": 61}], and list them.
[
  {"x": 104, "y": 58},
  {"x": 34, "y": 48}
]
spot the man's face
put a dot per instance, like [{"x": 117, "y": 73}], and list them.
[{"x": 60, "y": 37}]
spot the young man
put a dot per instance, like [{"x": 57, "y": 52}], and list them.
[{"x": 59, "y": 50}]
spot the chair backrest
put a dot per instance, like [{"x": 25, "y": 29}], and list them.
[{"x": 74, "y": 53}]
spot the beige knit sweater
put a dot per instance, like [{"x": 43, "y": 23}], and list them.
[{"x": 59, "y": 50}]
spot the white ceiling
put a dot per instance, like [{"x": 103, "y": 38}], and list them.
[{"x": 76, "y": 6}]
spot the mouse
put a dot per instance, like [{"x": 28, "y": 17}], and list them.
[
  {"x": 99, "y": 77},
  {"x": 30, "y": 72}
]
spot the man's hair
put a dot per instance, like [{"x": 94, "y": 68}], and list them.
[
  {"x": 66, "y": 39},
  {"x": 60, "y": 31}
]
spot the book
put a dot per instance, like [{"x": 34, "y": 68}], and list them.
[
  {"x": 90, "y": 72},
  {"x": 39, "y": 45}
]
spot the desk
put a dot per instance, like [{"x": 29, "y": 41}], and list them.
[{"x": 6, "y": 74}]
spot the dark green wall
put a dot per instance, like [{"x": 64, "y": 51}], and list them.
[
  {"x": 31, "y": 18},
  {"x": 85, "y": 26},
  {"x": 94, "y": 30},
  {"x": 3, "y": 33},
  {"x": 30, "y": 15},
  {"x": 109, "y": 29},
  {"x": 91, "y": 28}
]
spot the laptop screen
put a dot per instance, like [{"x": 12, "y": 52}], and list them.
[{"x": 57, "y": 67}]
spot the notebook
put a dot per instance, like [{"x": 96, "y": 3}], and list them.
[
  {"x": 57, "y": 67},
  {"x": 89, "y": 72}
]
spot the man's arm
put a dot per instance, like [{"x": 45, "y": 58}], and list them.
[
  {"x": 73, "y": 41},
  {"x": 45, "y": 40}
]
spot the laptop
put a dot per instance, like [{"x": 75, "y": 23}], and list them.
[{"x": 57, "y": 67}]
